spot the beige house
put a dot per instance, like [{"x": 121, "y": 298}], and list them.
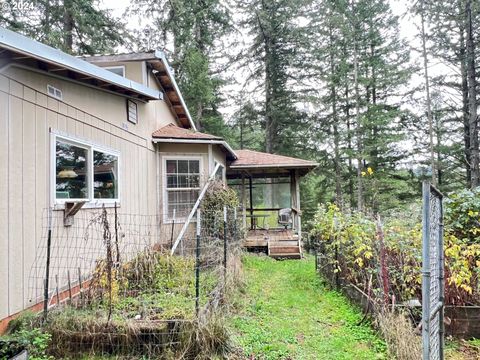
[{"x": 101, "y": 131}]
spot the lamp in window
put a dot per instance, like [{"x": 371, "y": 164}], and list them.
[{"x": 67, "y": 173}]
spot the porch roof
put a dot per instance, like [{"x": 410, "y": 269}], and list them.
[
  {"x": 172, "y": 133},
  {"x": 259, "y": 161}
]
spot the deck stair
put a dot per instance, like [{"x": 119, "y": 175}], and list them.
[
  {"x": 284, "y": 249},
  {"x": 280, "y": 244}
]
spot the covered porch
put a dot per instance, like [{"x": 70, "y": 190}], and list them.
[{"x": 268, "y": 186}]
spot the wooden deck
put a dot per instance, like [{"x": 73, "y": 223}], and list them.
[{"x": 278, "y": 243}]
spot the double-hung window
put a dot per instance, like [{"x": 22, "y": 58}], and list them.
[
  {"x": 182, "y": 185},
  {"x": 84, "y": 172}
]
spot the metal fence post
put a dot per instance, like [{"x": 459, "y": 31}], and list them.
[
  {"x": 173, "y": 229},
  {"x": 432, "y": 274},
  {"x": 225, "y": 245},
  {"x": 426, "y": 270},
  {"x": 47, "y": 270},
  {"x": 441, "y": 285},
  {"x": 235, "y": 235},
  {"x": 197, "y": 265}
]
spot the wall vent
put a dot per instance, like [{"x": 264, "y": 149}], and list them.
[{"x": 54, "y": 92}]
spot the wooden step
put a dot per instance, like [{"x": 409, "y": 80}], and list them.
[
  {"x": 284, "y": 250},
  {"x": 284, "y": 243},
  {"x": 286, "y": 256}
]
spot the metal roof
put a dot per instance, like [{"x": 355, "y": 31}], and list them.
[
  {"x": 162, "y": 71},
  {"x": 56, "y": 61}
]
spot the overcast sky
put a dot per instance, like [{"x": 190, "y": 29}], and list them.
[{"x": 408, "y": 30}]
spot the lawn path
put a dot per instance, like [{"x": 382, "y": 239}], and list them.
[{"x": 287, "y": 313}]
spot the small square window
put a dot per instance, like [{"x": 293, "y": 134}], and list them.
[{"x": 54, "y": 92}]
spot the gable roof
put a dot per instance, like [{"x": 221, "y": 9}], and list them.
[
  {"x": 249, "y": 159},
  {"x": 20, "y": 48},
  {"x": 157, "y": 61}
]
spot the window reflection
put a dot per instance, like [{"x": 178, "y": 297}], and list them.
[
  {"x": 105, "y": 175},
  {"x": 71, "y": 171}
]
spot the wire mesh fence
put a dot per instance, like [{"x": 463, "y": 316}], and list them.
[{"x": 111, "y": 286}]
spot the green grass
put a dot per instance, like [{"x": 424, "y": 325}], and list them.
[{"x": 287, "y": 313}]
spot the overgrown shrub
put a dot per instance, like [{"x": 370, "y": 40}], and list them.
[
  {"x": 218, "y": 195},
  {"x": 25, "y": 333},
  {"x": 351, "y": 247}
]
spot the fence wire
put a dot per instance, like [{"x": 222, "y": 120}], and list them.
[{"x": 114, "y": 288}]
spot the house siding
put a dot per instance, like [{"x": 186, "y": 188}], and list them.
[{"x": 26, "y": 117}]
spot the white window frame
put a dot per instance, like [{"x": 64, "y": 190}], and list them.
[
  {"x": 166, "y": 218},
  {"x": 90, "y": 147},
  {"x": 116, "y": 67}
]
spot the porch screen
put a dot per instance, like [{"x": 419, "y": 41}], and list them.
[
  {"x": 183, "y": 186},
  {"x": 267, "y": 193}
]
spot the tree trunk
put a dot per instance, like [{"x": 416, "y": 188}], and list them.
[
  {"x": 269, "y": 100},
  {"x": 336, "y": 135},
  {"x": 429, "y": 104},
  {"x": 358, "y": 131},
  {"x": 68, "y": 26},
  {"x": 472, "y": 99},
  {"x": 465, "y": 117}
]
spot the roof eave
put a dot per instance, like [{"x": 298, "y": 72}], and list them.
[
  {"x": 30, "y": 48},
  {"x": 161, "y": 56},
  {"x": 197, "y": 141}
]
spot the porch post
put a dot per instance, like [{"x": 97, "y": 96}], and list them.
[
  {"x": 244, "y": 203},
  {"x": 293, "y": 199},
  {"x": 297, "y": 195},
  {"x": 250, "y": 185}
]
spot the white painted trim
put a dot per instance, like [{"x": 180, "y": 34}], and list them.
[
  {"x": 164, "y": 190},
  {"x": 58, "y": 204},
  {"x": 224, "y": 170},
  {"x": 211, "y": 163},
  {"x": 84, "y": 141}
]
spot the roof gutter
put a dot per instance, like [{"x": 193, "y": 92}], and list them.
[{"x": 195, "y": 141}]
